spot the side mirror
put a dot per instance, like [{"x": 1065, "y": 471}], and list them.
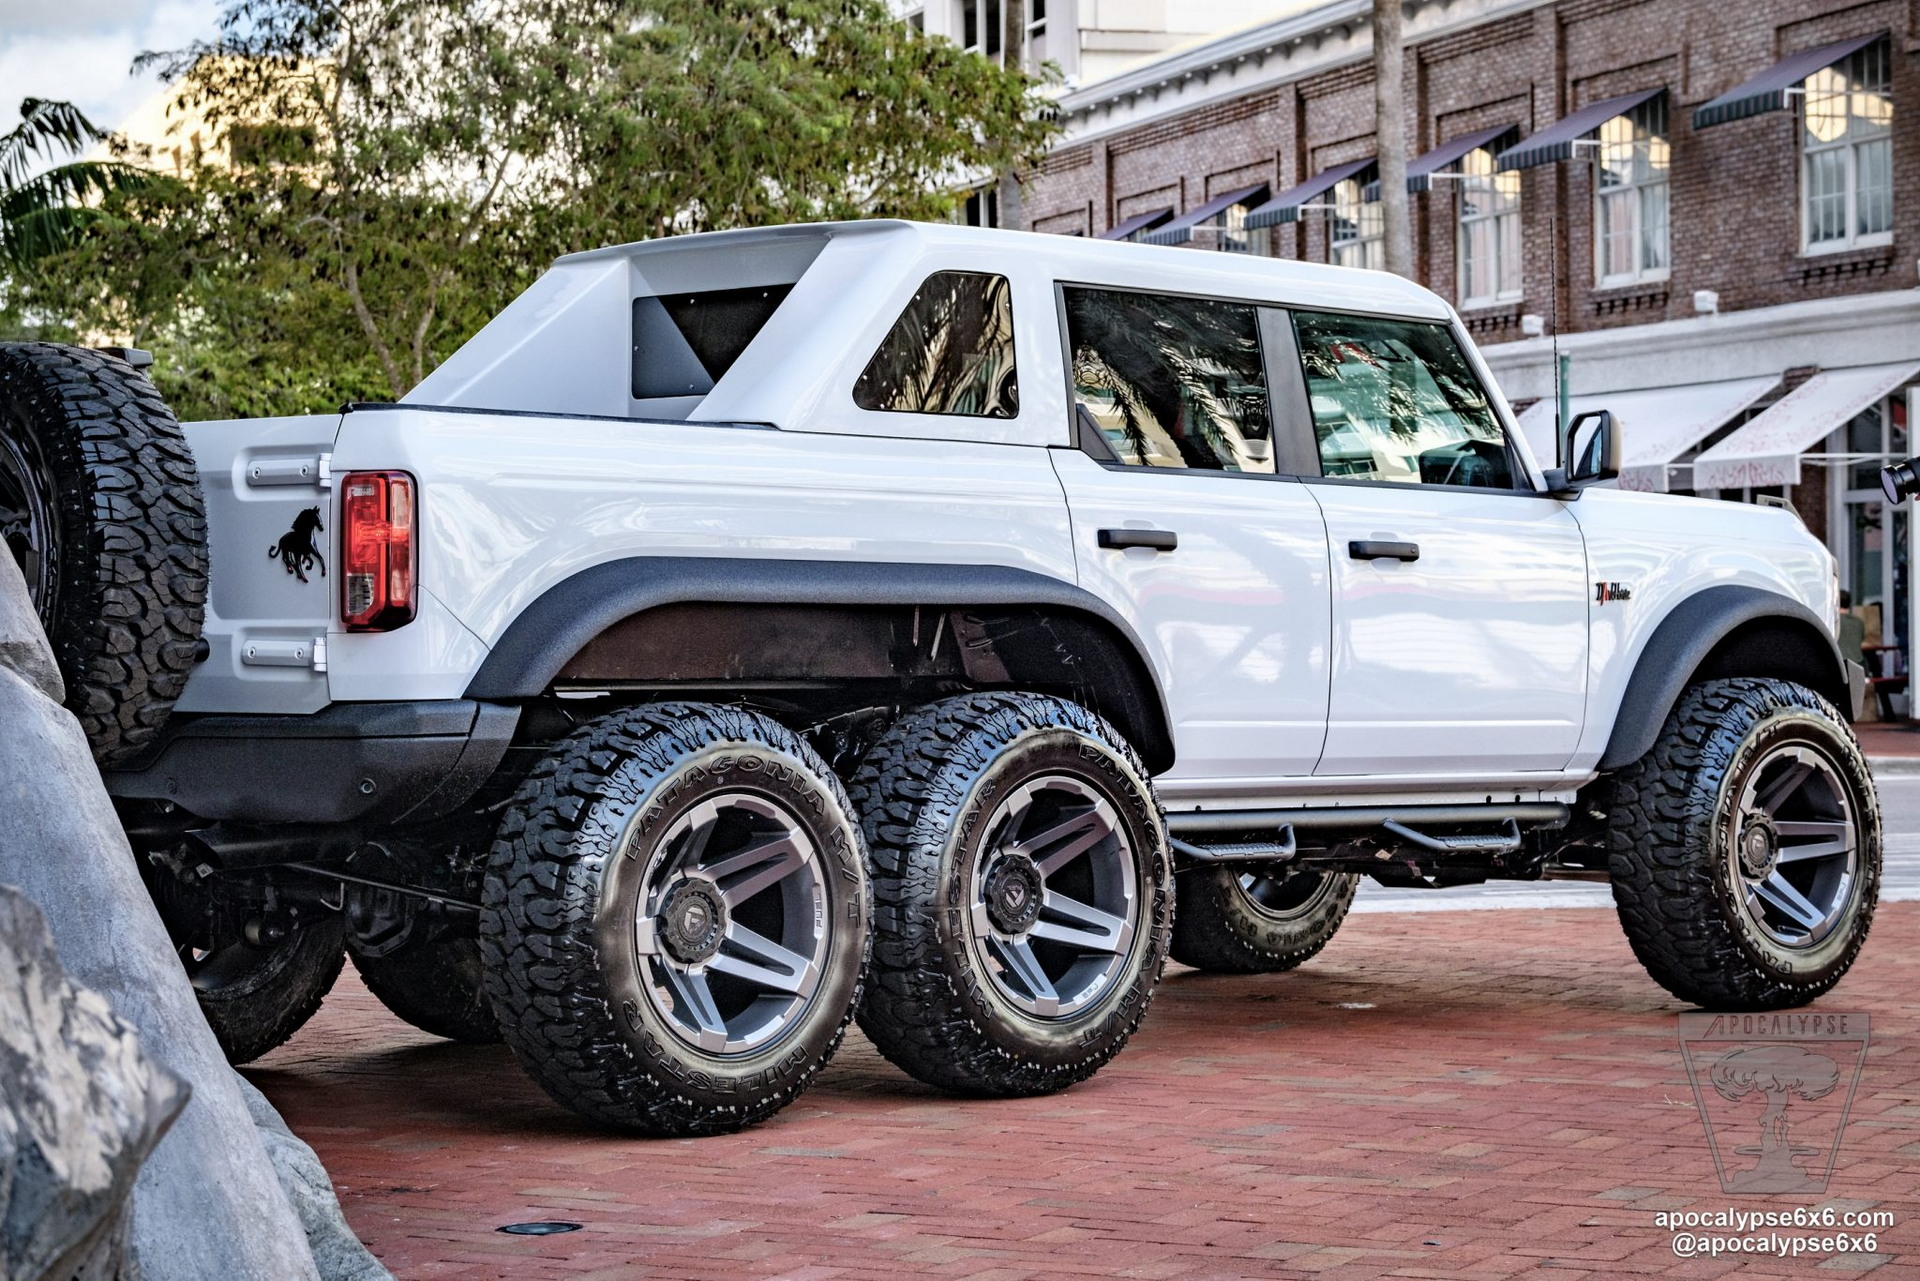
[{"x": 1592, "y": 452}]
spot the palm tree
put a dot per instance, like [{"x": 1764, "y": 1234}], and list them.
[{"x": 42, "y": 213}]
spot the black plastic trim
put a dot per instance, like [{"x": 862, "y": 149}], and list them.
[
  {"x": 1684, "y": 640},
  {"x": 349, "y": 762}
]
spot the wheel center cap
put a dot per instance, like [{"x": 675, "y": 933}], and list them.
[
  {"x": 1759, "y": 848},
  {"x": 1013, "y": 894},
  {"x": 692, "y": 921}
]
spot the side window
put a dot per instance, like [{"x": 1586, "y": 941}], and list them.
[
  {"x": 1172, "y": 382},
  {"x": 951, "y": 352},
  {"x": 1395, "y": 400}
]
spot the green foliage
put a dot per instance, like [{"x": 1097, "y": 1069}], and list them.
[
  {"x": 387, "y": 174},
  {"x": 45, "y": 213}
]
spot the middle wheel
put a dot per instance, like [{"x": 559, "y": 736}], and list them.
[{"x": 1022, "y": 891}]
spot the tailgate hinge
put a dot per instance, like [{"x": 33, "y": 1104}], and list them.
[{"x": 319, "y": 653}]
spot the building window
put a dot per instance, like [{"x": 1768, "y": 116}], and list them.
[
  {"x": 1630, "y": 197},
  {"x": 982, "y": 208},
  {"x": 1356, "y": 231},
  {"x": 980, "y": 26},
  {"x": 1489, "y": 231},
  {"x": 1225, "y": 231},
  {"x": 1846, "y": 168},
  {"x": 1036, "y": 32}
]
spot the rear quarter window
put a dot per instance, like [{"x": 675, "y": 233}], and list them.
[
  {"x": 950, "y": 352},
  {"x": 684, "y": 343}
]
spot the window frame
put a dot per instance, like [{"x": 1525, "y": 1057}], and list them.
[
  {"x": 1463, "y": 221},
  {"x": 1296, "y": 451},
  {"x": 1635, "y": 190},
  {"x": 1848, "y": 147}
]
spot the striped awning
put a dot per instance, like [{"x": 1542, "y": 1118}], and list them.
[
  {"x": 1285, "y": 207},
  {"x": 1555, "y": 142},
  {"x": 1768, "y": 90},
  {"x": 1180, "y": 230},
  {"x": 1129, "y": 227},
  {"x": 1420, "y": 170},
  {"x": 1767, "y": 450},
  {"x": 1657, "y": 424}
]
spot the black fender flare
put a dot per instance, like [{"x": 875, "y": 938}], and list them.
[
  {"x": 560, "y": 622},
  {"x": 1686, "y": 639}
]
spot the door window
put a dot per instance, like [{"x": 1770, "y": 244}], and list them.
[
  {"x": 1394, "y": 400},
  {"x": 951, "y": 352},
  {"x": 1172, "y": 382}
]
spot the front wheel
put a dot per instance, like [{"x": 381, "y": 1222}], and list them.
[
  {"x": 1234, "y": 920},
  {"x": 1745, "y": 847},
  {"x": 674, "y": 924},
  {"x": 1024, "y": 899}
]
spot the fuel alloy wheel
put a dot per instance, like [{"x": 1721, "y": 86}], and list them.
[
  {"x": 1745, "y": 847},
  {"x": 674, "y": 924},
  {"x": 1053, "y": 905},
  {"x": 1792, "y": 845},
  {"x": 1020, "y": 871},
  {"x": 731, "y": 927}
]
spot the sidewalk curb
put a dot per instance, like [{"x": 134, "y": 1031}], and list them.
[{"x": 1895, "y": 765}]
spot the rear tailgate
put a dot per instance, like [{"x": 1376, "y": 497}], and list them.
[{"x": 269, "y": 517}]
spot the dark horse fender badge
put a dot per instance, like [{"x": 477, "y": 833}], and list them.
[{"x": 296, "y": 548}]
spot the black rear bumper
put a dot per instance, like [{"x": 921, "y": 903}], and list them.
[{"x": 349, "y": 762}]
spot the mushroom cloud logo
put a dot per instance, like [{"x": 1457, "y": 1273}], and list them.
[{"x": 1769, "y": 1089}]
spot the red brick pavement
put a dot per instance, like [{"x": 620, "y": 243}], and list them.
[
  {"x": 1889, "y": 738},
  {"x": 1444, "y": 1094}
]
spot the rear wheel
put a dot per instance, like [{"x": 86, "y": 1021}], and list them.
[
  {"x": 100, "y": 505},
  {"x": 1241, "y": 921},
  {"x": 1745, "y": 847},
  {"x": 258, "y": 977},
  {"x": 674, "y": 926},
  {"x": 436, "y": 984},
  {"x": 1024, "y": 901}
]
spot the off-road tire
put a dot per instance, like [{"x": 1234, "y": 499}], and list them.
[
  {"x": 1220, "y": 926},
  {"x": 1673, "y": 868},
  {"x": 436, "y": 985},
  {"x": 125, "y": 597},
  {"x": 262, "y": 1009},
  {"x": 927, "y": 794},
  {"x": 558, "y": 917}
]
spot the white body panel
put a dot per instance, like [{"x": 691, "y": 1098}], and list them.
[
  {"x": 1474, "y": 656},
  {"x": 1235, "y": 619},
  {"x": 1289, "y": 670}
]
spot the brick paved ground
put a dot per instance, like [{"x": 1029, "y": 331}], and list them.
[
  {"x": 1884, "y": 739},
  {"x": 1446, "y": 1094}
]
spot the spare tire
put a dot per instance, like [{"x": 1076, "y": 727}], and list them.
[{"x": 100, "y": 504}]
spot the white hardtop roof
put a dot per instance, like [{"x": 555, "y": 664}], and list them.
[{"x": 1077, "y": 258}]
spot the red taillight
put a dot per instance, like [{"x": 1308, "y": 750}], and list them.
[{"x": 377, "y": 523}]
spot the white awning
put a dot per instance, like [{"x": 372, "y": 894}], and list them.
[
  {"x": 1767, "y": 450},
  {"x": 1657, "y": 424}
]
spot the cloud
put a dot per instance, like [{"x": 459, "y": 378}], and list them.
[{"x": 82, "y": 51}]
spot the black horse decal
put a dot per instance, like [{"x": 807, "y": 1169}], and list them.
[{"x": 296, "y": 549}]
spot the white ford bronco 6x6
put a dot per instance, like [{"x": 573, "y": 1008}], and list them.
[{"x": 746, "y": 633}]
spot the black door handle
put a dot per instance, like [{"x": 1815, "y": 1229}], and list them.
[
  {"x": 1161, "y": 540},
  {"x": 1379, "y": 549}
]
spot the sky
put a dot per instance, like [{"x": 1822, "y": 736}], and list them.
[{"x": 82, "y": 50}]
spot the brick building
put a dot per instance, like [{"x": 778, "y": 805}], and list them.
[{"x": 1716, "y": 206}]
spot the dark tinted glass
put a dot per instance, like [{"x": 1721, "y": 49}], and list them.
[
  {"x": 684, "y": 343},
  {"x": 1395, "y": 400},
  {"x": 1172, "y": 382},
  {"x": 951, "y": 352}
]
